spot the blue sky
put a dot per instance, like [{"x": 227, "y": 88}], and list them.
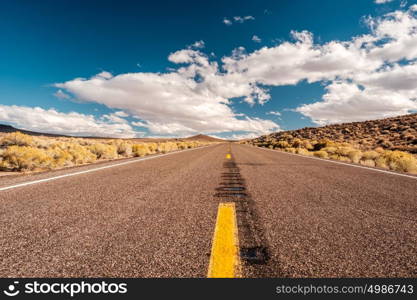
[{"x": 230, "y": 69}]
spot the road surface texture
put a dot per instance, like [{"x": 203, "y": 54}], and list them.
[{"x": 156, "y": 218}]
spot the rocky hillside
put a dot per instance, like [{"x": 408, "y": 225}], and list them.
[
  {"x": 397, "y": 133},
  {"x": 388, "y": 143}
]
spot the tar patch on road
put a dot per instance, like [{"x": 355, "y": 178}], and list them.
[{"x": 252, "y": 243}]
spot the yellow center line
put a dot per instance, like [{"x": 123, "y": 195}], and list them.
[{"x": 224, "y": 259}]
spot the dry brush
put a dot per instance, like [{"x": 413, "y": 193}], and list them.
[{"x": 21, "y": 152}]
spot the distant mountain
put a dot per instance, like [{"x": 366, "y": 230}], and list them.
[
  {"x": 202, "y": 137},
  {"x": 199, "y": 137},
  {"x": 8, "y": 128}
]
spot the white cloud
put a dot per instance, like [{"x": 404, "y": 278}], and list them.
[
  {"x": 237, "y": 136},
  {"x": 367, "y": 67},
  {"x": 227, "y": 21},
  {"x": 121, "y": 114},
  {"x": 237, "y": 19},
  {"x": 192, "y": 99},
  {"x": 241, "y": 19},
  {"x": 275, "y": 113},
  {"x": 346, "y": 102},
  {"x": 382, "y": 1},
  {"x": 198, "y": 44},
  {"x": 52, "y": 121},
  {"x": 366, "y": 77},
  {"x": 256, "y": 39},
  {"x": 104, "y": 74},
  {"x": 289, "y": 63}
]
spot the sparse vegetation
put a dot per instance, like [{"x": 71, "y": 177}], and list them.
[
  {"x": 21, "y": 152},
  {"x": 389, "y": 143}
]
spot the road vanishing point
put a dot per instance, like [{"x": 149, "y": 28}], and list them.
[{"x": 226, "y": 210}]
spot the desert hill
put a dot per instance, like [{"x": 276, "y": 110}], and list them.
[
  {"x": 396, "y": 133},
  {"x": 202, "y": 137},
  {"x": 389, "y": 143},
  {"x": 9, "y": 128}
]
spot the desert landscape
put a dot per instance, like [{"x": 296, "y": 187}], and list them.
[
  {"x": 240, "y": 139},
  {"x": 34, "y": 151},
  {"x": 389, "y": 143}
]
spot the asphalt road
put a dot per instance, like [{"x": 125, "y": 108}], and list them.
[{"x": 156, "y": 218}]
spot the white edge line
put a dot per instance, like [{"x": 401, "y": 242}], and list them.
[
  {"x": 95, "y": 169},
  {"x": 339, "y": 162}
]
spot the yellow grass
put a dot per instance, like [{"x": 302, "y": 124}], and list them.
[
  {"x": 393, "y": 160},
  {"x": 21, "y": 152}
]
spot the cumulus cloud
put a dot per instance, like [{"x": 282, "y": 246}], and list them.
[
  {"x": 345, "y": 102},
  {"x": 52, "y": 121},
  {"x": 291, "y": 62},
  {"x": 369, "y": 76},
  {"x": 194, "y": 98}
]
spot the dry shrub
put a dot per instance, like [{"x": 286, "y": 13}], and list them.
[
  {"x": 307, "y": 145},
  {"x": 303, "y": 151},
  {"x": 140, "y": 150},
  {"x": 379, "y": 150},
  {"x": 103, "y": 151},
  {"x": 283, "y": 144},
  {"x": 381, "y": 162},
  {"x": 323, "y": 144},
  {"x": 152, "y": 147},
  {"x": 343, "y": 151},
  {"x": 400, "y": 161},
  {"x": 290, "y": 150},
  {"x": 182, "y": 145},
  {"x": 321, "y": 154},
  {"x": 297, "y": 143},
  {"x": 355, "y": 156},
  {"x": 80, "y": 154},
  {"x": 124, "y": 148},
  {"x": 20, "y": 158},
  {"x": 23, "y": 152},
  {"x": 330, "y": 150},
  {"x": 370, "y": 155},
  {"x": 368, "y": 162},
  {"x": 343, "y": 158},
  {"x": 41, "y": 142},
  {"x": 334, "y": 156},
  {"x": 171, "y": 146},
  {"x": 161, "y": 148},
  {"x": 60, "y": 157},
  {"x": 16, "y": 139}
]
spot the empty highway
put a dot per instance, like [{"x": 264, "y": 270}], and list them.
[{"x": 295, "y": 216}]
